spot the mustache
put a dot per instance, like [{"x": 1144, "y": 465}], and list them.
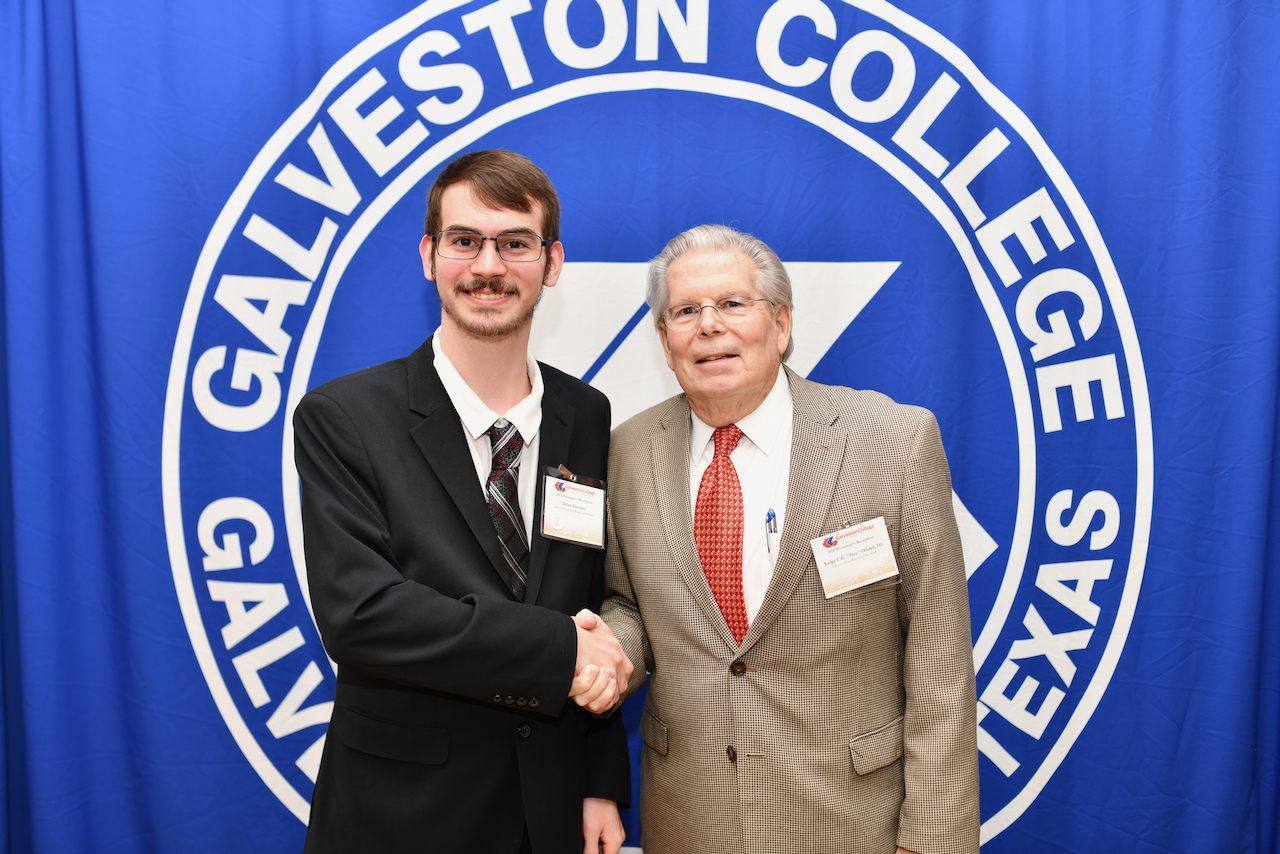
[{"x": 498, "y": 286}]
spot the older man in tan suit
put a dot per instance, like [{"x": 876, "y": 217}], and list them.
[{"x": 780, "y": 719}]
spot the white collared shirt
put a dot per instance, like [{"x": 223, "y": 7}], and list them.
[
  {"x": 763, "y": 462},
  {"x": 477, "y": 418}
]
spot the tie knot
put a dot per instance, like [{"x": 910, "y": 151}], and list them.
[
  {"x": 506, "y": 442},
  {"x": 726, "y": 439}
]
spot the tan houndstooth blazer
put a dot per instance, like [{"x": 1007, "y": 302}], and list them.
[{"x": 839, "y": 725}]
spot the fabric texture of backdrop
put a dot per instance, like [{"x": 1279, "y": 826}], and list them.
[{"x": 128, "y": 129}]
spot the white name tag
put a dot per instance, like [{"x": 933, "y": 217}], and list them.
[
  {"x": 573, "y": 510},
  {"x": 857, "y": 557}
]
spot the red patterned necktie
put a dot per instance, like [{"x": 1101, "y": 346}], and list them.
[
  {"x": 504, "y": 504},
  {"x": 717, "y": 530}
]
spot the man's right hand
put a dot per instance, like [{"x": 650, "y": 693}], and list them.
[{"x": 602, "y": 668}]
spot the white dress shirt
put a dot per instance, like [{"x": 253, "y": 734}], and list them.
[
  {"x": 477, "y": 418},
  {"x": 763, "y": 462}
]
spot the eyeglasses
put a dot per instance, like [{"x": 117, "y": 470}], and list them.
[
  {"x": 730, "y": 309},
  {"x": 511, "y": 245}
]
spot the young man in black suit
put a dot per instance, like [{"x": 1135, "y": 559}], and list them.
[{"x": 445, "y": 609}]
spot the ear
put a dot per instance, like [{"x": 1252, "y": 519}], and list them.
[
  {"x": 555, "y": 263},
  {"x": 782, "y": 316},
  {"x": 428, "y": 260}
]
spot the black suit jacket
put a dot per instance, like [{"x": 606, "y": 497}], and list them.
[{"x": 451, "y": 727}]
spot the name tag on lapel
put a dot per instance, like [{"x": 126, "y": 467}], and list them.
[
  {"x": 573, "y": 508},
  {"x": 858, "y": 557}
]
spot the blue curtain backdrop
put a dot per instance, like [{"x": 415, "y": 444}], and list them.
[{"x": 139, "y": 141}]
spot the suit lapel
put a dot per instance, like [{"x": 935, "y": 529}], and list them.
[
  {"x": 670, "y": 449},
  {"x": 440, "y": 438},
  {"x": 817, "y": 455},
  {"x": 556, "y": 434}
]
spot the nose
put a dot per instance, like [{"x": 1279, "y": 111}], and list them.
[
  {"x": 488, "y": 263},
  {"x": 709, "y": 320}
]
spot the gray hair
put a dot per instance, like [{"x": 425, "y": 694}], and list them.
[{"x": 771, "y": 278}]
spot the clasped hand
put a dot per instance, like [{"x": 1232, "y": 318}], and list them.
[{"x": 602, "y": 669}]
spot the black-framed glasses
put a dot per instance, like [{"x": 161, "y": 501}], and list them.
[
  {"x": 517, "y": 246},
  {"x": 730, "y": 309}
]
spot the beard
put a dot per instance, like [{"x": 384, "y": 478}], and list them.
[{"x": 489, "y": 325}]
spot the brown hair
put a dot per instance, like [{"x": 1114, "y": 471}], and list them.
[{"x": 501, "y": 180}]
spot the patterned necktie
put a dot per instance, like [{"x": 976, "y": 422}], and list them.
[
  {"x": 717, "y": 530},
  {"x": 504, "y": 503}
]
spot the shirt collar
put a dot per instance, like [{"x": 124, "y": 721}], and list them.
[
  {"x": 762, "y": 425},
  {"x": 477, "y": 418}
]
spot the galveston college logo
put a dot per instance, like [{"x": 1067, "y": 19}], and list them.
[{"x": 938, "y": 248}]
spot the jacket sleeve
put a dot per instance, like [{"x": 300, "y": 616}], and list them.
[
  {"x": 375, "y": 620},
  {"x": 940, "y": 811}
]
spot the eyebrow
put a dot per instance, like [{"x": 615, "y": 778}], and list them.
[
  {"x": 471, "y": 230},
  {"x": 741, "y": 294}
]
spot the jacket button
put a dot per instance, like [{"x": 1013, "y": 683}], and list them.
[
  {"x": 523, "y": 730},
  {"x": 534, "y": 702},
  {"x": 521, "y": 701},
  {"x": 510, "y": 701},
  {"x": 497, "y": 698},
  {"x": 733, "y": 754},
  {"x": 737, "y": 668}
]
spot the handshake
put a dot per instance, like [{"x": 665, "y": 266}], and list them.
[{"x": 602, "y": 670}]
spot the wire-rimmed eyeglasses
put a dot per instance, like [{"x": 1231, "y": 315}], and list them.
[
  {"x": 730, "y": 309},
  {"x": 518, "y": 246}
]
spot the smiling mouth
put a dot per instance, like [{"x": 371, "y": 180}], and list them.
[
  {"x": 719, "y": 357},
  {"x": 492, "y": 290}
]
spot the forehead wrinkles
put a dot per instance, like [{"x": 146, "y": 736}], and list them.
[{"x": 711, "y": 274}]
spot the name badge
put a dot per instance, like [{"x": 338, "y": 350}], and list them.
[
  {"x": 573, "y": 508},
  {"x": 858, "y": 557}
]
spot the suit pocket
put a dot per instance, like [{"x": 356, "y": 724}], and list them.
[
  {"x": 426, "y": 745},
  {"x": 876, "y": 749},
  {"x": 653, "y": 732}
]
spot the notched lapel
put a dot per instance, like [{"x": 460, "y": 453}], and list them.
[
  {"x": 553, "y": 450},
  {"x": 671, "y": 481},
  {"x": 440, "y": 438},
  {"x": 817, "y": 456}
]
